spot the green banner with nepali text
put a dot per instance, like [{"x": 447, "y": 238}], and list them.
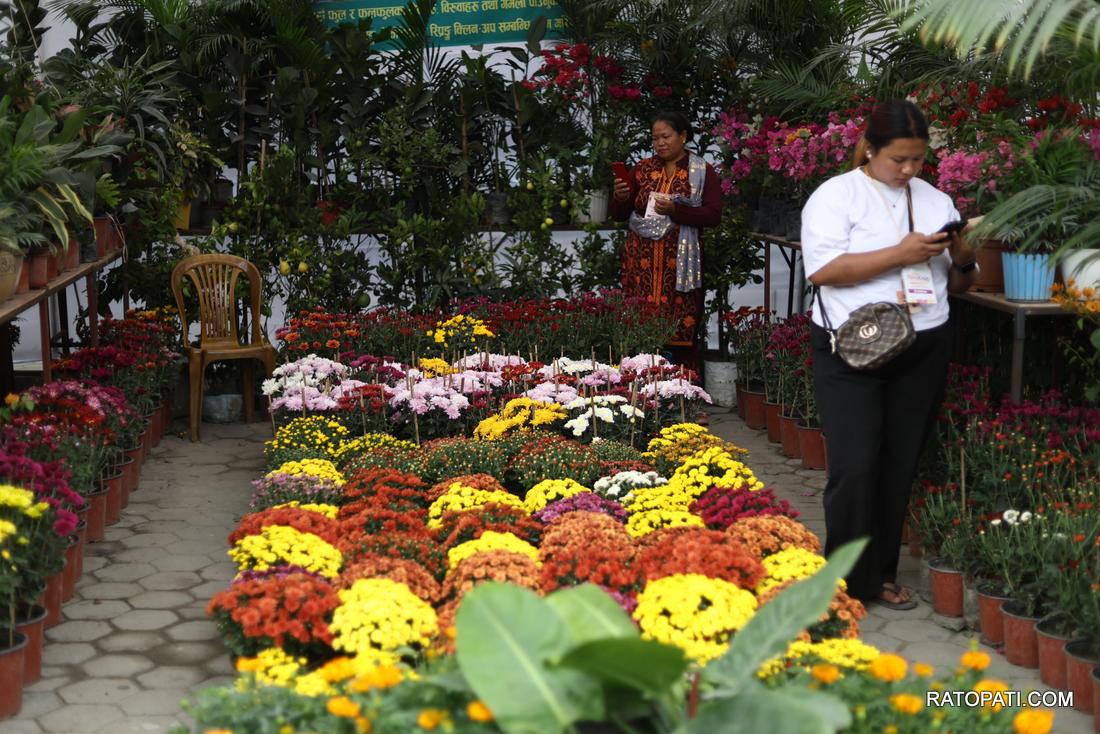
[{"x": 459, "y": 23}]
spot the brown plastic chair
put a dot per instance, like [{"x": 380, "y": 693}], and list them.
[{"x": 215, "y": 282}]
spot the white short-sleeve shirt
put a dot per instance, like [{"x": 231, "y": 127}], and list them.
[{"x": 846, "y": 215}]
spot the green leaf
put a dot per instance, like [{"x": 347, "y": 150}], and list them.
[
  {"x": 791, "y": 710},
  {"x": 506, "y": 635},
  {"x": 591, "y": 614},
  {"x": 770, "y": 630},
  {"x": 644, "y": 665},
  {"x": 535, "y": 34},
  {"x": 1095, "y": 339}
]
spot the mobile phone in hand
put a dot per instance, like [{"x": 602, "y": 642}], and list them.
[
  {"x": 621, "y": 172},
  {"x": 950, "y": 227}
]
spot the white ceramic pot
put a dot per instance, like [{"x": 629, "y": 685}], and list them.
[
  {"x": 719, "y": 380},
  {"x": 1083, "y": 266}
]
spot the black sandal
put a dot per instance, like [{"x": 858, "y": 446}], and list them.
[{"x": 902, "y": 594}]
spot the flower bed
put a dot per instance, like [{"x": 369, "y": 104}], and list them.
[{"x": 414, "y": 533}]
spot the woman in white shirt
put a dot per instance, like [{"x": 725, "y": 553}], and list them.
[{"x": 859, "y": 232}]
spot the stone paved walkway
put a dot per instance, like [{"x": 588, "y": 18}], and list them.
[
  {"x": 912, "y": 634},
  {"x": 135, "y": 640}
]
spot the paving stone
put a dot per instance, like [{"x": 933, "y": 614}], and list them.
[
  {"x": 914, "y": 630},
  {"x": 117, "y": 666},
  {"x": 164, "y": 702},
  {"x": 21, "y": 727},
  {"x": 158, "y": 600},
  {"x": 93, "y": 561},
  {"x": 130, "y": 642},
  {"x": 125, "y": 571},
  {"x": 171, "y": 581},
  {"x": 142, "y": 725},
  {"x": 37, "y": 703},
  {"x": 150, "y": 540},
  {"x": 80, "y": 718},
  {"x": 172, "y": 676},
  {"x": 79, "y": 630},
  {"x": 141, "y": 620},
  {"x": 206, "y": 591},
  {"x": 95, "y": 609},
  {"x": 140, "y": 555},
  {"x": 98, "y": 690},
  {"x": 186, "y": 653},
  {"x": 110, "y": 591},
  {"x": 182, "y": 563},
  {"x": 221, "y": 666},
  {"x": 194, "y": 631},
  {"x": 219, "y": 571},
  {"x": 47, "y": 683},
  {"x": 193, "y": 611}
]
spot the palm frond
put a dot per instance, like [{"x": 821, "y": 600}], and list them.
[{"x": 1023, "y": 30}]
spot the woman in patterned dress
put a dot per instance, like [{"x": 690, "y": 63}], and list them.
[{"x": 661, "y": 256}]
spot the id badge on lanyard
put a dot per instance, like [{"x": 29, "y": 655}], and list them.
[{"x": 917, "y": 286}]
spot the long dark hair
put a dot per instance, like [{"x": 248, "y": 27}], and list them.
[
  {"x": 676, "y": 120},
  {"x": 898, "y": 118}
]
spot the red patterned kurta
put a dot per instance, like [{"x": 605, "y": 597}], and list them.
[{"x": 649, "y": 267}]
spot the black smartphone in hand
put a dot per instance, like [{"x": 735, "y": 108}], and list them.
[{"x": 954, "y": 226}]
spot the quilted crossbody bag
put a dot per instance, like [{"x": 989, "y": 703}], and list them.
[{"x": 874, "y": 333}]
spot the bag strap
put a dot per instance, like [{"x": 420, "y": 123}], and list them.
[{"x": 821, "y": 301}]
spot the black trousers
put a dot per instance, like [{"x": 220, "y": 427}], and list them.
[{"x": 876, "y": 423}]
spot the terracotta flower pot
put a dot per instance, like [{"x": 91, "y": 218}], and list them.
[
  {"x": 992, "y": 622},
  {"x": 82, "y": 533},
  {"x": 1051, "y": 640},
  {"x": 24, "y": 283},
  {"x": 740, "y": 401},
  {"x": 771, "y": 420},
  {"x": 1082, "y": 655},
  {"x": 72, "y": 255},
  {"x": 115, "y": 490},
  {"x": 947, "y": 590},
  {"x": 991, "y": 275},
  {"x": 811, "y": 446},
  {"x": 754, "y": 409},
  {"x": 97, "y": 515},
  {"x": 68, "y": 575},
  {"x": 788, "y": 435},
  {"x": 12, "y": 666},
  {"x": 1021, "y": 644},
  {"x": 37, "y": 266},
  {"x": 1096, "y": 700},
  {"x": 131, "y": 469},
  {"x": 30, "y": 622},
  {"x": 51, "y": 599}
]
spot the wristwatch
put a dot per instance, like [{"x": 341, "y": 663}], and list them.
[{"x": 967, "y": 267}]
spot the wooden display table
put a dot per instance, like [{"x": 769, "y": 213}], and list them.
[
  {"x": 1020, "y": 311},
  {"x": 21, "y": 302}
]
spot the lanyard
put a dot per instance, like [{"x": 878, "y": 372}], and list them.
[{"x": 889, "y": 209}]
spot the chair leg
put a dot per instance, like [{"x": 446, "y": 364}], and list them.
[
  {"x": 196, "y": 366},
  {"x": 249, "y": 406}
]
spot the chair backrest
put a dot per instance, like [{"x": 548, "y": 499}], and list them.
[{"x": 215, "y": 280}]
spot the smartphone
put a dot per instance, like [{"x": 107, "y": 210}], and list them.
[
  {"x": 954, "y": 226},
  {"x": 621, "y": 172}
]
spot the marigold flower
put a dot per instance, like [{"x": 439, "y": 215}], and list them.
[
  {"x": 478, "y": 711},
  {"x": 923, "y": 670},
  {"x": 430, "y": 718},
  {"x": 343, "y": 706},
  {"x": 975, "y": 660},
  {"x": 889, "y": 667},
  {"x": 991, "y": 685},
  {"x": 906, "y": 703},
  {"x": 1033, "y": 721},
  {"x": 825, "y": 673}
]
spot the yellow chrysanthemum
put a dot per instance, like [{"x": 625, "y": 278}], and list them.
[
  {"x": 380, "y": 614},
  {"x": 490, "y": 541},
  {"x": 693, "y": 612},
  {"x": 277, "y": 545},
  {"x": 790, "y": 564},
  {"x": 550, "y": 490}
]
